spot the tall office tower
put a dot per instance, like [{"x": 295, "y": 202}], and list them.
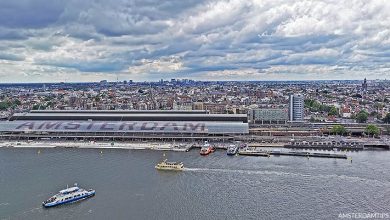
[
  {"x": 296, "y": 107},
  {"x": 364, "y": 85}
]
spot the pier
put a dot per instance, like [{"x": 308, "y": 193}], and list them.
[
  {"x": 254, "y": 153},
  {"x": 263, "y": 153},
  {"x": 376, "y": 146},
  {"x": 310, "y": 154},
  {"x": 326, "y": 145}
]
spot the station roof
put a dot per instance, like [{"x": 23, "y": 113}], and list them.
[
  {"x": 129, "y": 117},
  {"x": 122, "y": 111}
]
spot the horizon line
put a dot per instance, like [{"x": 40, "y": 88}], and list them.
[{"x": 169, "y": 81}]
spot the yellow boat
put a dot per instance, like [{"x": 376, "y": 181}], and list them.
[{"x": 175, "y": 166}]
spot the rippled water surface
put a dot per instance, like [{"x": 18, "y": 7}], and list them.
[{"x": 212, "y": 187}]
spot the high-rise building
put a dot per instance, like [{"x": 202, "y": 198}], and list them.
[
  {"x": 364, "y": 85},
  {"x": 296, "y": 107}
]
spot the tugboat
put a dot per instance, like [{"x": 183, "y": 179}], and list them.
[
  {"x": 175, "y": 166},
  {"x": 68, "y": 195},
  {"x": 206, "y": 149},
  {"x": 232, "y": 150}
]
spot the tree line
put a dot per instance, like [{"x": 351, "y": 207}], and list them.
[{"x": 370, "y": 130}]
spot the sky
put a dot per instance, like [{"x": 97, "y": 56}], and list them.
[{"x": 149, "y": 40}]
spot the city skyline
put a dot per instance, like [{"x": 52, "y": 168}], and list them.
[
  {"x": 184, "y": 80},
  {"x": 89, "y": 41}
]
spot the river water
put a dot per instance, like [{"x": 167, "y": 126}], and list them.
[{"x": 212, "y": 187}]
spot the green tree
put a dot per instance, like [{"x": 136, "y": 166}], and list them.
[
  {"x": 49, "y": 104},
  {"x": 338, "y": 129},
  {"x": 386, "y": 119},
  {"x": 372, "y": 130},
  {"x": 362, "y": 116},
  {"x": 315, "y": 106},
  {"x": 4, "y": 105},
  {"x": 333, "y": 111},
  {"x": 17, "y": 102}
]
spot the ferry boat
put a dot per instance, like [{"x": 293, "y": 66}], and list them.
[
  {"x": 232, "y": 150},
  {"x": 175, "y": 166},
  {"x": 206, "y": 149},
  {"x": 68, "y": 195}
]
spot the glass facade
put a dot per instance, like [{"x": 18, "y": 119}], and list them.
[{"x": 296, "y": 107}]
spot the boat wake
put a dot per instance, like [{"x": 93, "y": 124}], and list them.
[
  {"x": 267, "y": 172},
  {"x": 259, "y": 172},
  {"x": 24, "y": 213}
]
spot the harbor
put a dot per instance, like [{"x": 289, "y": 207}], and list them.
[
  {"x": 126, "y": 181},
  {"x": 242, "y": 150}
]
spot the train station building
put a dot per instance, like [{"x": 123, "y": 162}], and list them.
[{"x": 123, "y": 125}]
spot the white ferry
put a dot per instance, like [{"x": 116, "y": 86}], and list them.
[{"x": 68, "y": 195}]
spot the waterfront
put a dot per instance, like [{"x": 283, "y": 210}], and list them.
[{"x": 212, "y": 187}]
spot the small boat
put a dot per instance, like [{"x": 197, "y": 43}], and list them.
[
  {"x": 232, "y": 150},
  {"x": 68, "y": 195},
  {"x": 175, "y": 166},
  {"x": 207, "y": 149}
]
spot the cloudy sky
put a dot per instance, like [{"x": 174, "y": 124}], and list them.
[{"x": 91, "y": 40}]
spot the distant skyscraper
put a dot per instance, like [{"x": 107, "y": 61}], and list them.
[
  {"x": 296, "y": 107},
  {"x": 364, "y": 85}
]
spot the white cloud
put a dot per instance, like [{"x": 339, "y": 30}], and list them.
[
  {"x": 162, "y": 65},
  {"x": 193, "y": 39}
]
